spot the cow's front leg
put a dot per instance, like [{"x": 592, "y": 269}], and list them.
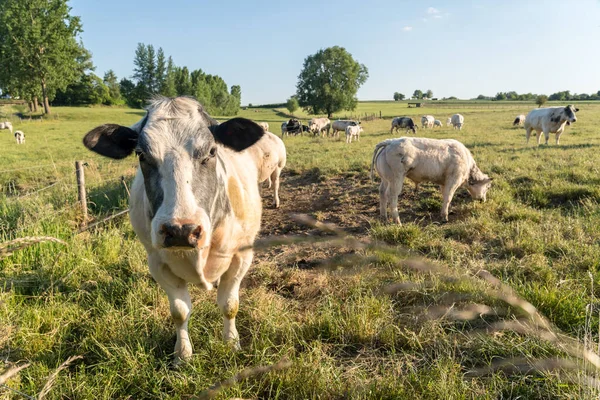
[
  {"x": 179, "y": 302},
  {"x": 228, "y": 295}
]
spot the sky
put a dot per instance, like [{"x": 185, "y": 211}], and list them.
[{"x": 459, "y": 48}]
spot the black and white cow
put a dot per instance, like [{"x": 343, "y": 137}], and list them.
[
  {"x": 405, "y": 123},
  {"x": 195, "y": 203},
  {"x": 549, "y": 120}
]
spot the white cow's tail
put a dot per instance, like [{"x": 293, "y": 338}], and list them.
[{"x": 378, "y": 148}]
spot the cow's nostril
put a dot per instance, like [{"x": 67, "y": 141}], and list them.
[{"x": 196, "y": 234}]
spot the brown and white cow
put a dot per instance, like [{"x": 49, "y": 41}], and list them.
[
  {"x": 549, "y": 120},
  {"x": 446, "y": 162},
  {"x": 270, "y": 157},
  {"x": 195, "y": 203}
]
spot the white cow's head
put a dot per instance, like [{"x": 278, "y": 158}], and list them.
[
  {"x": 179, "y": 150},
  {"x": 478, "y": 185}
]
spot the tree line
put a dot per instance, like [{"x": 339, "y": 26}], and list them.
[{"x": 43, "y": 60}]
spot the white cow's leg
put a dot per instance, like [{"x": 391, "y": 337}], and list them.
[
  {"x": 546, "y": 135},
  {"x": 228, "y": 295},
  {"x": 383, "y": 199},
  {"x": 394, "y": 190},
  {"x": 558, "y": 136},
  {"x": 275, "y": 177},
  {"x": 179, "y": 302},
  {"x": 447, "y": 193},
  {"x": 539, "y": 136}
]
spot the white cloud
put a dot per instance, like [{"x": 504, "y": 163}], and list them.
[
  {"x": 407, "y": 28},
  {"x": 432, "y": 10}
]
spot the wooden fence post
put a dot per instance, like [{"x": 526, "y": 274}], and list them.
[{"x": 81, "y": 196}]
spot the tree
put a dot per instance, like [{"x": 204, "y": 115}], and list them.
[
  {"x": 398, "y": 96},
  {"x": 38, "y": 39},
  {"x": 161, "y": 71},
  {"x": 168, "y": 88},
  {"x": 417, "y": 94},
  {"x": 130, "y": 94},
  {"x": 329, "y": 81},
  {"x": 114, "y": 90},
  {"x": 292, "y": 105},
  {"x": 541, "y": 100},
  {"x": 429, "y": 94}
]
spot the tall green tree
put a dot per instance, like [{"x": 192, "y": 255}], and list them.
[
  {"x": 429, "y": 94},
  {"x": 417, "y": 94},
  {"x": 329, "y": 81},
  {"x": 114, "y": 89},
  {"x": 541, "y": 100},
  {"x": 183, "y": 82},
  {"x": 151, "y": 77},
  {"x": 292, "y": 105},
  {"x": 398, "y": 96},
  {"x": 168, "y": 88},
  {"x": 140, "y": 70},
  {"x": 38, "y": 38},
  {"x": 161, "y": 71}
]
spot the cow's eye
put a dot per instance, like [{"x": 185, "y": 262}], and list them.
[{"x": 212, "y": 152}]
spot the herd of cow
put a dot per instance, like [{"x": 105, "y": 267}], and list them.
[
  {"x": 195, "y": 203},
  {"x": 19, "y": 135}
]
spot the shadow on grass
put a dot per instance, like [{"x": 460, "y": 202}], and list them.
[{"x": 548, "y": 147}]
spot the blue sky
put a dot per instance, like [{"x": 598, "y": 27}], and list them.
[{"x": 455, "y": 48}]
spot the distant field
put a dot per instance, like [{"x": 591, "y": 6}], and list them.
[{"x": 346, "y": 337}]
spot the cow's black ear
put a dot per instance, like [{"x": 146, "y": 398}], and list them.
[
  {"x": 577, "y": 110},
  {"x": 237, "y": 133},
  {"x": 111, "y": 140}
]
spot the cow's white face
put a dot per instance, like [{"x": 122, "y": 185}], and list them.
[
  {"x": 478, "y": 190},
  {"x": 178, "y": 147}
]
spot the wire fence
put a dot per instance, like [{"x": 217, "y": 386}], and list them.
[{"x": 29, "y": 199}]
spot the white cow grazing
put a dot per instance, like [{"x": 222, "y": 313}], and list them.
[
  {"x": 6, "y": 125},
  {"x": 427, "y": 121},
  {"x": 341, "y": 124},
  {"x": 19, "y": 137},
  {"x": 264, "y": 125},
  {"x": 549, "y": 120},
  {"x": 458, "y": 121},
  {"x": 319, "y": 125},
  {"x": 520, "y": 120},
  {"x": 449, "y": 121},
  {"x": 353, "y": 131},
  {"x": 446, "y": 162},
  {"x": 270, "y": 157},
  {"x": 437, "y": 122},
  {"x": 194, "y": 204}
]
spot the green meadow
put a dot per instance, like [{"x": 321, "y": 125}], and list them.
[{"x": 354, "y": 321}]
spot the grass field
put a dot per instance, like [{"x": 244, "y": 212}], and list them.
[{"x": 326, "y": 309}]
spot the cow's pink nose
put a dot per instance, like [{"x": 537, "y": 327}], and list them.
[{"x": 176, "y": 235}]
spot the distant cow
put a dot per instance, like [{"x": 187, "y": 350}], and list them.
[
  {"x": 6, "y": 125},
  {"x": 437, "y": 122},
  {"x": 520, "y": 120},
  {"x": 195, "y": 203},
  {"x": 319, "y": 126},
  {"x": 283, "y": 128},
  {"x": 458, "y": 121},
  {"x": 353, "y": 131},
  {"x": 549, "y": 120},
  {"x": 270, "y": 157},
  {"x": 427, "y": 121},
  {"x": 19, "y": 137},
  {"x": 404, "y": 123},
  {"x": 448, "y": 121},
  {"x": 264, "y": 125},
  {"x": 446, "y": 162},
  {"x": 340, "y": 125}
]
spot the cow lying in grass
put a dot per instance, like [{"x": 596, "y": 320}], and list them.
[
  {"x": 446, "y": 162},
  {"x": 194, "y": 204}
]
